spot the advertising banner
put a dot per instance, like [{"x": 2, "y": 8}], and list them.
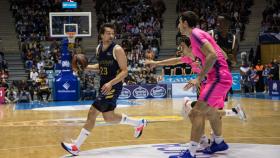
[
  {"x": 274, "y": 88},
  {"x": 144, "y": 91},
  {"x": 184, "y": 79},
  {"x": 178, "y": 91}
]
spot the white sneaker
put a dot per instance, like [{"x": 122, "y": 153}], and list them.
[
  {"x": 240, "y": 112},
  {"x": 139, "y": 129},
  {"x": 71, "y": 148},
  {"x": 204, "y": 143}
]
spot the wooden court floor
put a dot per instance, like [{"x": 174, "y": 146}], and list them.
[{"x": 37, "y": 134}]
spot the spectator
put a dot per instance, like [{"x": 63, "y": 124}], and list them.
[
  {"x": 274, "y": 70},
  {"x": 42, "y": 90},
  {"x": 245, "y": 78},
  {"x": 33, "y": 75},
  {"x": 167, "y": 70},
  {"x": 265, "y": 75},
  {"x": 24, "y": 96},
  {"x": 11, "y": 95}
]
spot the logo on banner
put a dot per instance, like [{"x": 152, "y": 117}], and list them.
[
  {"x": 125, "y": 94},
  {"x": 140, "y": 92},
  {"x": 274, "y": 86},
  {"x": 65, "y": 63},
  {"x": 66, "y": 85},
  {"x": 158, "y": 92}
]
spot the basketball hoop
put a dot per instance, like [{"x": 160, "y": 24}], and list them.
[{"x": 71, "y": 37}]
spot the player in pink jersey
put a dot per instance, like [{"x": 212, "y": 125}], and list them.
[{"x": 219, "y": 81}]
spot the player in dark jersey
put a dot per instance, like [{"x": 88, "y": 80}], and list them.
[
  {"x": 112, "y": 66},
  {"x": 225, "y": 39}
]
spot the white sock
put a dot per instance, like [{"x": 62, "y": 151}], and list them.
[
  {"x": 129, "y": 121},
  {"x": 230, "y": 113},
  {"x": 82, "y": 137},
  {"x": 203, "y": 139},
  {"x": 218, "y": 139},
  {"x": 193, "y": 147}
]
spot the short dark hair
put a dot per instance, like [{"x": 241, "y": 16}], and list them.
[
  {"x": 190, "y": 17},
  {"x": 186, "y": 40},
  {"x": 110, "y": 25}
]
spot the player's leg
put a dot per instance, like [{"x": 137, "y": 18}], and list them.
[
  {"x": 236, "y": 111},
  {"x": 215, "y": 102},
  {"x": 197, "y": 118},
  {"x": 74, "y": 147},
  {"x": 115, "y": 118},
  {"x": 216, "y": 125}
]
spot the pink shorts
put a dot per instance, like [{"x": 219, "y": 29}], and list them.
[{"x": 214, "y": 93}]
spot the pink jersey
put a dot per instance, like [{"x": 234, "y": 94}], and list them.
[
  {"x": 220, "y": 69},
  {"x": 193, "y": 64}
]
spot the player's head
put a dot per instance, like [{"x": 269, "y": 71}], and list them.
[
  {"x": 188, "y": 20},
  {"x": 185, "y": 40},
  {"x": 107, "y": 32},
  {"x": 223, "y": 23},
  {"x": 185, "y": 44}
]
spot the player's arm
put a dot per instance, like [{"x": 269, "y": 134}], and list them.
[
  {"x": 122, "y": 61},
  {"x": 93, "y": 67},
  {"x": 211, "y": 58},
  {"x": 225, "y": 54},
  {"x": 171, "y": 61}
]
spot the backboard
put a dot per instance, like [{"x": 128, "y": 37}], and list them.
[{"x": 62, "y": 22}]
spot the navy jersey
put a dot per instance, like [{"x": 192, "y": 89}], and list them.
[
  {"x": 167, "y": 70},
  {"x": 226, "y": 43},
  {"x": 108, "y": 66}
]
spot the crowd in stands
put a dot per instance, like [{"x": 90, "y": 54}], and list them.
[{"x": 271, "y": 17}]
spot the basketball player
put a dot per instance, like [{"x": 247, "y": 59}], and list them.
[
  {"x": 112, "y": 65},
  {"x": 225, "y": 39},
  {"x": 219, "y": 81}
]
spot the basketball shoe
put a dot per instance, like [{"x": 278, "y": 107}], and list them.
[
  {"x": 139, "y": 129},
  {"x": 184, "y": 154},
  {"x": 240, "y": 112},
  {"x": 71, "y": 148},
  {"x": 204, "y": 142},
  {"x": 215, "y": 148}
]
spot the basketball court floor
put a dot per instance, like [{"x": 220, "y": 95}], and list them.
[{"x": 35, "y": 130}]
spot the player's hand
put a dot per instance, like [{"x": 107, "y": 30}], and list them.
[
  {"x": 195, "y": 82},
  {"x": 106, "y": 88},
  {"x": 190, "y": 84}
]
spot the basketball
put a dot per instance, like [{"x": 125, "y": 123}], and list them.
[{"x": 79, "y": 62}]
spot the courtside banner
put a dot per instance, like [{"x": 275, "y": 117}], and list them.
[
  {"x": 177, "y": 78},
  {"x": 274, "y": 88},
  {"x": 144, "y": 91},
  {"x": 184, "y": 79},
  {"x": 2, "y": 95},
  {"x": 178, "y": 91}
]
